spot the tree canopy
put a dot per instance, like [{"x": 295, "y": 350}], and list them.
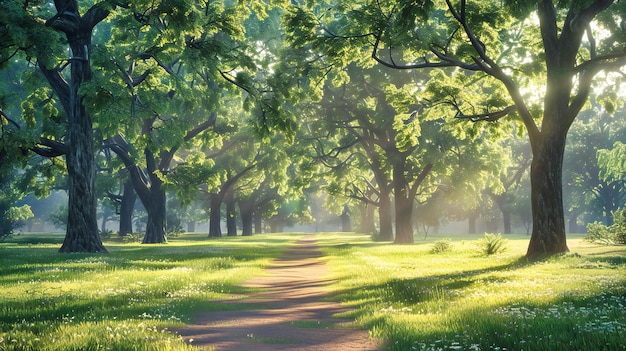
[{"x": 268, "y": 104}]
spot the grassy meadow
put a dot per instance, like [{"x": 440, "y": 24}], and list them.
[
  {"x": 409, "y": 295},
  {"x": 128, "y": 299},
  {"x": 461, "y": 299}
]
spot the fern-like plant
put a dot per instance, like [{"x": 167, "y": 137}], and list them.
[
  {"x": 491, "y": 244},
  {"x": 441, "y": 246}
]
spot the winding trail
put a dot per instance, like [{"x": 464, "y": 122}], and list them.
[{"x": 291, "y": 312}]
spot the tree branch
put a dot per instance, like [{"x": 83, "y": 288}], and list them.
[{"x": 489, "y": 116}]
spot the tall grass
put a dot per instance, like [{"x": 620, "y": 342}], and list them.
[
  {"x": 460, "y": 299},
  {"x": 128, "y": 299}
]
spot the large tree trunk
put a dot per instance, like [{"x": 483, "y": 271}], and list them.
[
  {"x": 129, "y": 197},
  {"x": 246, "y": 209},
  {"x": 548, "y": 234},
  {"x": 156, "y": 208},
  {"x": 215, "y": 218},
  {"x": 384, "y": 217},
  {"x": 231, "y": 216},
  {"x": 154, "y": 203},
  {"x": 82, "y": 227},
  {"x": 404, "y": 206}
]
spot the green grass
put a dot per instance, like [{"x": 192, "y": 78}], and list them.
[
  {"x": 460, "y": 299},
  {"x": 407, "y": 295},
  {"x": 128, "y": 299}
]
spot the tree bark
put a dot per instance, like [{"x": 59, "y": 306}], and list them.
[
  {"x": 154, "y": 201},
  {"x": 246, "y": 209},
  {"x": 215, "y": 219},
  {"x": 548, "y": 233},
  {"x": 502, "y": 203},
  {"x": 129, "y": 197},
  {"x": 231, "y": 216},
  {"x": 258, "y": 221},
  {"x": 404, "y": 206},
  {"x": 506, "y": 219},
  {"x": 384, "y": 217},
  {"x": 82, "y": 226}
]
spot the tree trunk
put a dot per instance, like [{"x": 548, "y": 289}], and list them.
[
  {"x": 404, "y": 206},
  {"x": 471, "y": 219},
  {"x": 384, "y": 217},
  {"x": 276, "y": 226},
  {"x": 215, "y": 225},
  {"x": 367, "y": 219},
  {"x": 503, "y": 205},
  {"x": 246, "y": 209},
  {"x": 572, "y": 223},
  {"x": 155, "y": 227},
  {"x": 231, "y": 216},
  {"x": 82, "y": 226},
  {"x": 548, "y": 234},
  {"x": 258, "y": 222},
  {"x": 346, "y": 226},
  {"x": 506, "y": 219},
  {"x": 129, "y": 197}
]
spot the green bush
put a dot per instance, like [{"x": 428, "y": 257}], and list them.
[
  {"x": 614, "y": 234},
  {"x": 133, "y": 238},
  {"x": 440, "y": 246},
  {"x": 491, "y": 244},
  {"x": 598, "y": 233}
]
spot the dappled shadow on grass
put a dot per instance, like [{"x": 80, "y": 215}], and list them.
[
  {"x": 613, "y": 260},
  {"x": 409, "y": 291},
  {"x": 486, "y": 308},
  {"x": 570, "y": 323}
]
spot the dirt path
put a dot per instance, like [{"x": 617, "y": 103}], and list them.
[{"x": 295, "y": 314}]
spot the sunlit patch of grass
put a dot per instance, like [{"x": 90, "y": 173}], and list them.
[
  {"x": 463, "y": 300},
  {"x": 124, "y": 300}
]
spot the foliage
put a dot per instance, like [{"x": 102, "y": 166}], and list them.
[
  {"x": 106, "y": 234},
  {"x": 12, "y": 216},
  {"x": 614, "y": 234},
  {"x": 59, "y": 217},
  {"x": 441, "y": 246},
  {"x": 491, "y": 244},
  {"x": 613, "y": 162}
]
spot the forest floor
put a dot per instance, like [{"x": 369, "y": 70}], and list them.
[{"x": 292, "y": 310}]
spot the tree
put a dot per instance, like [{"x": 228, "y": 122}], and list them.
[
  {"x": 505, "y": 51},
  {"x": 183, "y": 61},
  {"x": 41, "y": 35}
]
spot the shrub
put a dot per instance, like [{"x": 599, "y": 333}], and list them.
[
  {"x": 441, "y": 246},
  {"x": 133, "y": 238},
  {"x": 106, "y": 234},
  {"x": 491, "y": 244},
  {"x": 614, "y": 234},
  {"x": 598, "y": 233}
]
